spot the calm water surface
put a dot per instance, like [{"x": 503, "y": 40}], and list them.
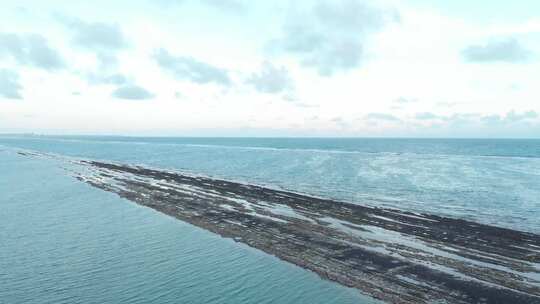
[{"x": 62, "y": 241}]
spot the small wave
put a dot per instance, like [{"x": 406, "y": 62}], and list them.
[{"x": 299, "y": 149}]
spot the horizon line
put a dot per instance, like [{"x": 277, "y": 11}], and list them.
[{"x": 31, "y": 134}]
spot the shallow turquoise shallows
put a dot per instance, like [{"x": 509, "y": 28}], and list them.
[{"x": 62, "y": 241}]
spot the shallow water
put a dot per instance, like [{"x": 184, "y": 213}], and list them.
[
  {"x": 62, "y": 241},
  {"x": 490, "y": 181}
]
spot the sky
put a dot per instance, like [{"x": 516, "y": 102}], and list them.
[{"x": 379, "y": 68}]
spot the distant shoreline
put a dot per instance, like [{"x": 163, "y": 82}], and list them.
[{"x": 134, "y": 136}]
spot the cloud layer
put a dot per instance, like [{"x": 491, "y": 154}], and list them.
[
  {"x": 132, "y": 92},
  {"x": 117, "y": 79},
  {"x": 330, "y": 35},
  {"x": 189, "y": 68},
  {"x": 30, "y": 49},
  {"x": 9, "y": 84},
  {"x": 507, "y": 50},
  {"x": 271, "y": 79},
  {"x": 361, "y": 67},
  {"x": 382, "y": 116},
  {"x": 95, "y": 35}
]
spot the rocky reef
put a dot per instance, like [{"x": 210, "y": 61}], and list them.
[{"x": 392, "y": 255}]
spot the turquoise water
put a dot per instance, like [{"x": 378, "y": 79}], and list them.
[
  {"x": 62, "y": 241},
  {"x": 492, "y": 181}
]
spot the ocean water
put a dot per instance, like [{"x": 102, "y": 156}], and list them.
[
  {"x": 62, "y": 241},
  {"x": 493, "y": 181}
]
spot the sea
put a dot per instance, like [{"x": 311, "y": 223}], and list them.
[{"x": 62, "y": 241}]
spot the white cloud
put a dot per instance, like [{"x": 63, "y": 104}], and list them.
[
  {"x": 185, "y": 67},
  {"x": 382, "y": 116},
  {"x": 330, "y": 35},
  {"x": 271, "y": 79},
  {"x": 350, "y": 60},
  {"x": 117, "y": 79},
  {"x": 30, "y": 49},
  {"x": 506, "y": 50},
  {"x": 132, "y": 92},
  {"x": 9, "y": 84},
  {"x": 95, "y": 35}
]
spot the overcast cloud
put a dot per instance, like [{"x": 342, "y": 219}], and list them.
[
  {"x": 132, "y": 92},
  {"x": 506, "y": 50},
  {"x": 362, "y": 67},
  {"x": 271, "y": 79},
  {"x": 9, "y": 84},
  {"x": 30, "y": 49},
  {"x": 95, "y": 35},
  {"x": 330, "y": 35},
  {"x": 185, "y": 67}
]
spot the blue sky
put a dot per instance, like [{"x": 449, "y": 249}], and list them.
[{"x": 271, "y": 68}]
